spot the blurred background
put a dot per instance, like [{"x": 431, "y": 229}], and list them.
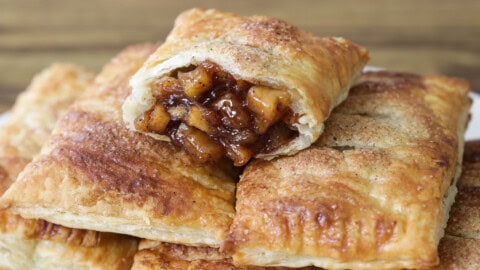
[{"x": 411, "y": 35}]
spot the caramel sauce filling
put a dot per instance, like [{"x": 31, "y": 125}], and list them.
[{"x": 210, "y": 114}]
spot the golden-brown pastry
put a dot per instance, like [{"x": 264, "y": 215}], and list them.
[
  {"x": 154, "y": 255},
  {"x": 113, "y": 252},
  {"x": 34, "y": 115},
  {"x": 28, "y": 126},
  {"x": 375, "y": 190},
  {"x": 163, "y": 256},
  {"x": 460, "y": 248},
  {"x": 96, "y": 174},
  {"x": 22, "y": 241},
  {"x": 227, "y": 85}
]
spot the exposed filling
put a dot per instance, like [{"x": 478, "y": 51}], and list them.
[{"x": 210, "y": 114}]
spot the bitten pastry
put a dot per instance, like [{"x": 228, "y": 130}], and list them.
[
  {"x": 96, "y": 174},
  {"x": 226, "y": 85},
  {"x": 373, "y": 193},
  {"x": 460, "y": 248}
]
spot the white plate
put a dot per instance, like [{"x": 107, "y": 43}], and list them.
[
  {"x": 473, "y": 131},
  {"x": 3, "y": 118}
]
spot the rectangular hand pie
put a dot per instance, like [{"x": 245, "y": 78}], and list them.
[
  {"x": 96, "y": 174},
  {"x": 373, "y": 193},
  {"x": 35, "y": 243},
  {"x": 227, "y": 85}
]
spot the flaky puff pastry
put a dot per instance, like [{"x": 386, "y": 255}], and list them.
[
  {"x": 96, "y": 174},
  {"x": 26, "y": 129},
  {"x": 154, "y": 255},
  {"x": 112, "y": 251},
  {"x": 375, "y": 190},
  {"x": 34, "y": 115},
  {"x": 460, "y": 247},
  {"x": 316, "y": 72}
]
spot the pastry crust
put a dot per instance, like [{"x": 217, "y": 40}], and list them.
[
  {"x": 96, "y": 174},
  {"x": 25, "y": 130},
  {"x": 34, "y": 115},
  {"x": 154, "y": 255},
  {"x": 23, "y": 242},
  {"x": 164, "y": 256},
  {"x": 16, "y": 252},
  {"x": 28, "y": 126},
  {"x": 460, "y": 248},
  {"x": 316, "y": 72},
  {"x": 375, "y": 190},
  {"x": 113, "y": 251}
]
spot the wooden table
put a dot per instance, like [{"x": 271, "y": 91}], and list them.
[{"x": 418, "y": 36}]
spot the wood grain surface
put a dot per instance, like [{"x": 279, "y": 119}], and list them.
[{"x": 419, "y": 36}]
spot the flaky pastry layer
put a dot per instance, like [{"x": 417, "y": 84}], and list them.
[
  {"x": 96, "y": 174},
  {"x": 375, "y": 190},
  {"x": 316, "y": 72}
]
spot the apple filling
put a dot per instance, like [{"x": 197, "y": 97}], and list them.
[{"x": 210, "y": 114}]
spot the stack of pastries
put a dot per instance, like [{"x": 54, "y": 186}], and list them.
[{"x": 239, "y": 143}]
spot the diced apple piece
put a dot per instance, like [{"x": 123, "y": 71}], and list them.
[
  {"x": 196, "y": 119},
  {"x": 159, "y": 119},
  {"x": 198, "y": 144},
  {"x": 287, "y": 117},
  {"x": 239, "y": 154},
  {"x": 233, "y": 114},
  {"x": 195, "y": 82},
  {"x": 267, "y": 104}
]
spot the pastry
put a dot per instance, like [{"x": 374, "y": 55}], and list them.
[
  {"x": 26, "y": 129},
  {"x": 460, "y": 248},
  {"x": 112, "y": 252},
  {"x": 96, "y": 174},
  {"x": 34, "y": 115},
  {"x": 227, "y": 85},
  {"x": 154, "y": 255},
  {"x": 373, "y": 193},
  {"x": 36, "y": 243}
]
